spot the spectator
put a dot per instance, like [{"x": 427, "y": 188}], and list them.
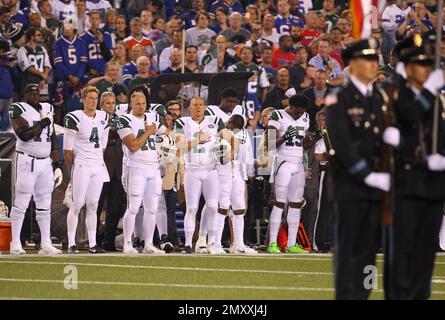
[
  {"x": 230, "y": 6},
  {"x": 191, "y": 57},
  {"x": 284, "y": 20},
  {"x": 83, "y": 21},
  {"x": 121, "y": 54},
  {"x": 390, "y": 67},
  {"x": 235, "y": 34},
  {"x": 17, "y": 16},
  {"x": 266, "y": 63},
  {"x": 98, "y": 5},
  {"x": 417, "y": 20},
  {"x": 5, "y": 20},
  {"x": 310, "y": 30},
  {"x": 283, "y": 56},
  {"x": 337, "y": 43},
  {"x": 225, "y": 59},
  {"x": 256, "y": 88},
  {"x": 134, "y": 7},
  {"x": 381, "y": 76},
  {"x": 316, "y": 96},
  {"x": 201, "y": 34},
  {"x": 48, "y": 37},
  {"x": 143, "y": 76},
  {"x": 298, "y": 70},
  {"x": 329, "y": 11},
  {"x": 99, "y": 45},
  {"x": 250, "y": 16},
  {"x": 48, "y": 20},
  {"x": 308, "y": 80},
  {"x": 110, "y": 21},
  {"x": 279, "y": 96},
  {"x": 221, "y": 20},
  {"x": 130, "y": 69},
  {"x": 137, "y": 37},
  {"x": 6, "y": 85},
  {"x": 393, "y": 15},
  {"x": 164, "y": 59},
  {"x": 175, "y": 62},
  {"x": 325, "y": 62},
  {"x": 269, "y": 31},
  {"x": 121, "y": 32},
  {"x": 110, "y": 81},
  {"x": 147, "y": 21},
  {"x": 346, "y": 29},
  {"x": 166, "y": 40},
  {"x": 256, "y": 41},
  {"x": 295, "y": 34},
  {"x": 34, "y": 64}
]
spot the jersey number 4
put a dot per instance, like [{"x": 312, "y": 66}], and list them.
[{"x": 94, "y": 137}]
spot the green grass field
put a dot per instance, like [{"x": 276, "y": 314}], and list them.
[{"x": 115, "y": 276}]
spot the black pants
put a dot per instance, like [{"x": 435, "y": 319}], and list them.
[
  {"x": 356, "y": 243},
  {"x": 324, "y": 222},
  {"x": 415, "y": 233},
  {"x": 171, "y": 199},
  {"x": 113, "y": 193}
]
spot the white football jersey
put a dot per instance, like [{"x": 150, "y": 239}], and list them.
[
  {"x": 98, "y": 5},
  {"x": 61, "y": 10},
  {"x": 292, "y": 149},
  {"x": 39, "y": 146},
  {"x": 216, "y": 111},
  {"x": 393, "y": 16},
  {"x": 147, "y": 154},
  {"x": 123, "y": 108},
  {"x": 91, "y": 135},
  {"x": 200, "y": 155}
]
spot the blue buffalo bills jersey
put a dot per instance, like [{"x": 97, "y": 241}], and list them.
[
  {"x": 283, "y": 24},
  {"x": 70, "y": 58},
  {"x": 251, "y": 102},
  {"x": 95, "y": 59}
]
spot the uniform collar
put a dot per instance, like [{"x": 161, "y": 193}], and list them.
[{"x": 365, "y": 89}]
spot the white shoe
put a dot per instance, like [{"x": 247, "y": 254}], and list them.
[
  {"x": 215, "y": 249},
  {"x": 241, "y": 249},
  {"x": 49, "y": 251},
  {"x": 442, "y": 245},
  {"x": 201, "y": 245},
  {"x": 151, "y": 249},
  {"x": 128, "y": 249},
  {"x": 16, "y": 249}
]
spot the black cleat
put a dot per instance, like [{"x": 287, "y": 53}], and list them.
[
  {"x": 187, "y": 250},
  {"x": 73, "y": 250},
  {"x": 96, "y": 249},
  {"x": 165, "y": 244}
]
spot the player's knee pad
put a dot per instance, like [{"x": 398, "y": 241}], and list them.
[
  {"x": 43, "y": 201},
  {"x": 212, "y": 205},
  {"x": 77, "y": 206},
  {"x": 92, "y": 207},
  {"x": 21, "y": 200},
  {"x": 281, "y": 193}
]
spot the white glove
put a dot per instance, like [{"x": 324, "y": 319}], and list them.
[
  {"x": 58, "y": 177},
  {"x": 49, "y": 115},
  {"x": 379, "y": 180},
  {"x": 435, "y": 81},
  {"x": 290, "y": 92},
  {"x": 436, "y": 162},
  {"x": 391, "y": 136}
]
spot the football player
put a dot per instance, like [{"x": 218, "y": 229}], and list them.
[
  {"x": 196, "y": 136},
  {"x": 84, "y": 141},
  {"x": 285, "y": 132},
  {"x": 144, "y": 184},
  {"x": 33, "y": 126}
]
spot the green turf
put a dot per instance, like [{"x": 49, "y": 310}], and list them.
[{"x": 179, "y": 277}]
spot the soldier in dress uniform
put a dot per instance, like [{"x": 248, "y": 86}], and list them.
[
  {"x": 355, "y": 122},
  {"x": 419, "y": 174}
]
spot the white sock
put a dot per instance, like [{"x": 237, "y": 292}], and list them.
[
  {"x": 149, "y": 227},
  {"x": 442, "y": 231},
  {"x": 139, "y": 224},
  {"x": 189, "y": 225},
  {"x": 91, "y": 222},
  {"x": 71, "y": 223},
  {"x": 293, "y": 222},
  {"x": 212, "y": 225},
  {"x": 220, "y": 222},
  {"x": 161, "y": 223},
  {"x": 128, "y": 226},
  {"x": 17, "y": 216},
  {"x": 43, "y": 218},
  {"x": 203, "y": 223},
  {"x": 238, "y": 229},
  {"x": 274, "y": 224}
]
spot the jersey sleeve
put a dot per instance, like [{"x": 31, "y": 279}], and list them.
[
  {"x": 22, "y": 58},
  {"x": 71, "y": 122},
  {"x": 123, "y": 125},
  {"x": 16, "y": 110},
  {"x": 46, "y": 62},
  {"x": 274, "y": 119},
  {"x": 179, "y": 126},
  {"x": 220, "y": 124},
  {"x": 61, "y": 70}
]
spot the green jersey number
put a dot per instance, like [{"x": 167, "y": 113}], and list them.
[
  {"x": 296, "y": 141},
  {"x": 48, "y": 134},
  {"x": 149, "y": 143},
  {"x": 94, "y": 137}
]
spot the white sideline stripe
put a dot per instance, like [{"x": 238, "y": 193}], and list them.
[
  {"x": 177, "y": 285},
  {"x": 174, "y": 285},
  {"x": 169, "y": 268}
]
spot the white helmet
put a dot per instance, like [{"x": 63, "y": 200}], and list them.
[
  {"x": 166, "y": 148},
  {"x": 220, "y": 151}
]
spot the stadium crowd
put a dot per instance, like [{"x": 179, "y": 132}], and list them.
[{"x": 291, "y": 46}]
